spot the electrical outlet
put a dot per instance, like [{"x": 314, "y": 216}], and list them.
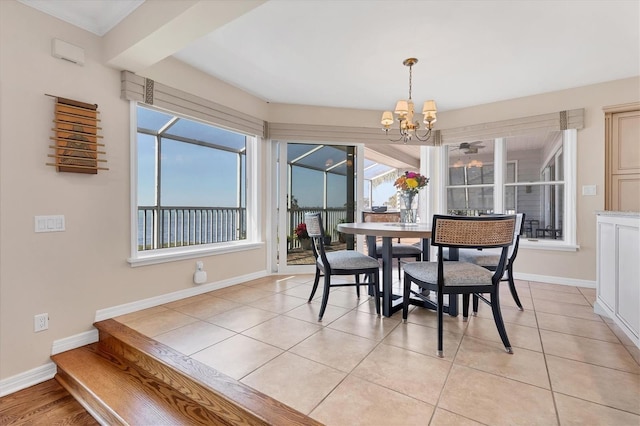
[
  {"x": 40, "y": 322},
  {"x": 199, "y": 266}
]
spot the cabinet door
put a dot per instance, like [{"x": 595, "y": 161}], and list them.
[
  {"x": 607, "y": 264},
  {"x": 628, "y": 270}
]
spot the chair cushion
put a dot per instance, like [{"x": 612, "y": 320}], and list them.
[
  {"x": 400, "y": 249},
  {"x": 349, "y": 259},
  {"x": 455, "y": 273},
  {"x": 486, "y": 257}
]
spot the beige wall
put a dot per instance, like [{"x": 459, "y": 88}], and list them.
[{"x": 73, "y": 274}]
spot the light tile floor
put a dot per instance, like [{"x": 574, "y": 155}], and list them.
[{"x": 570, "y": 365}]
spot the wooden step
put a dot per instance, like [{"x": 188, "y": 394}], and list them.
[
  {"x": 119, "y": 394},
  {"x": 128, "y": 378}
]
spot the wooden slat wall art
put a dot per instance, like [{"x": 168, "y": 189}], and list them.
[{"x": 76, "y": 140}]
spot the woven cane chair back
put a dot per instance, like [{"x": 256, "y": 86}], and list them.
[{"x": 473, "y": 232}]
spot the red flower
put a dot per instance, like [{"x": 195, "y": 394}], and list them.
[
  {"x": 301, "y": 231},
  {"x": 411, "y": 182}
]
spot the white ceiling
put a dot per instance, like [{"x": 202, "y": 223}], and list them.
[
  {"x": 96, "y": 16},
  {"x": 350, "y": 53}
]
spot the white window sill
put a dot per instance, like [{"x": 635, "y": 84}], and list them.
[
  {"x": 154, "y": 257},
  {"x": 534, "y": 244}
]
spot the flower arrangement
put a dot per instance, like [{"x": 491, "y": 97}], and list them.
[
  {"x": 411, "y": 182},
  {"x": 301, "y": 231}
]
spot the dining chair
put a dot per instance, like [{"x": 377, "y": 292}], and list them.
[
  {"x": 459, "y": 277},
  {"x": 340, "y": 262},
  {"x": 401, "y": 251},
  {"x": 489, "y": 259}
]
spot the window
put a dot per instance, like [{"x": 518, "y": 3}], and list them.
[
  {"x": 191, "y": 184},
  {"x": 538, "y": 188},
  {"x": 471, "y": 179},
  {"x": 523, "y": 174}
]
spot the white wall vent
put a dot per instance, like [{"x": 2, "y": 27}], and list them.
[{"x": 67, "y": 51}]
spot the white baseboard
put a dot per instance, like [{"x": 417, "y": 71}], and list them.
[
  {"x": 598, "y": 309},
  {"x": 43, "y": 373},
  {"x": 73, "y": 342},
  {"x": 48, "y": 371},
  {"x": 127, "y": 308},
  {"x": 555, "y": 280},
  {"x": 28, "y": 378}
]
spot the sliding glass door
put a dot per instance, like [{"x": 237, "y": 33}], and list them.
[{"x": 313, "y": 178}]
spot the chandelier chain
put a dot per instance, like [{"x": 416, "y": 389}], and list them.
[{"x": 410, "y": 79}]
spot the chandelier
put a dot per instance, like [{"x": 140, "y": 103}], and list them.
[{"x": 405, "y": 110}]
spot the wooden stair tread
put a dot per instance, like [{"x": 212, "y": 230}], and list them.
[
  {"x": 128, "y": 378},
  {"x": 131, "y": 397},
  {"x": 226, "y": 397},
  {"x": 44, "y": 403}
]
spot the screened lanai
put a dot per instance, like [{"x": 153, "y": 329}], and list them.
[
  {"x": 191, "y": 182},
  {"x": 318, "y": 181}
]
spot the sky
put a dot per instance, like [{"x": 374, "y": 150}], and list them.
[{"x": 192, "y": 175}]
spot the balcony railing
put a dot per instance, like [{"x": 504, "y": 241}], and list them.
[
  {"x": 331, "y": 218},
  {"x": 175, "y": 226}
]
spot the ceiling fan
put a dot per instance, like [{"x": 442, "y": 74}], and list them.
[{"x": 470, "y": 147}]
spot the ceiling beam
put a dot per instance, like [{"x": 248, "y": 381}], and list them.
[
  {"x": 158, "y": 29},
  {"x": 391, "y": 156}
]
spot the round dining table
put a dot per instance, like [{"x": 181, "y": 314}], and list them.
[{"x": 388, "y": 231}]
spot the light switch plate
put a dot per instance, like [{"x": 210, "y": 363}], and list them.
[
  {"x": 588, "y": 190},
  {"x": 49, "y": 223}
]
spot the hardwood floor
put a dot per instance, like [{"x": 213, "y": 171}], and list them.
[{"x": 47, "y": 403}]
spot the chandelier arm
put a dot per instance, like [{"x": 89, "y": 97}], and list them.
[
  {"x": 425, "y": 138},
  {"x": 394, "y": 140}
]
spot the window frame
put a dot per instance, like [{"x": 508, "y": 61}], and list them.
[
  {"x": 569, "y": 161},
  {"x": 162, "y": 255}
]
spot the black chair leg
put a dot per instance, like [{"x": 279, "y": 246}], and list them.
[
  {"x": 315, "y": 285},
  {"x": 440, "y": 325},
  {"x": 358, "y": 285},
  {"x": 465, "y": 307},
  {"x": 370, "y": 280},
  {"x": 376, "y": 291},
  {"x": 325, "y": 296},
  {"x": 497, "y": 317},
  {"x": 405, "y": 297},
  {"x": 512, "y": 288},
  {"x": 475, "y": 305}
]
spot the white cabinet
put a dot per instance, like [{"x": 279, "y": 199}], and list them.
[{"x": 618, "y": 280}]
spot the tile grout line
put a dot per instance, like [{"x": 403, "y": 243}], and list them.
[
  {"x": 546, "y": 364},
  {"x": 356, "y": 310},
  {"x": 351, "y": 372}
]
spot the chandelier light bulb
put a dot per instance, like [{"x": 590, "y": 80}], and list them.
[
  {"x": 429, "y": 107},
  {"x": 387, "y": 119},
  {"x": 402, "y": 108}
]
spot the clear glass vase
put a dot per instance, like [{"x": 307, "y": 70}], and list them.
[{"x": 408, "y": 207}]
